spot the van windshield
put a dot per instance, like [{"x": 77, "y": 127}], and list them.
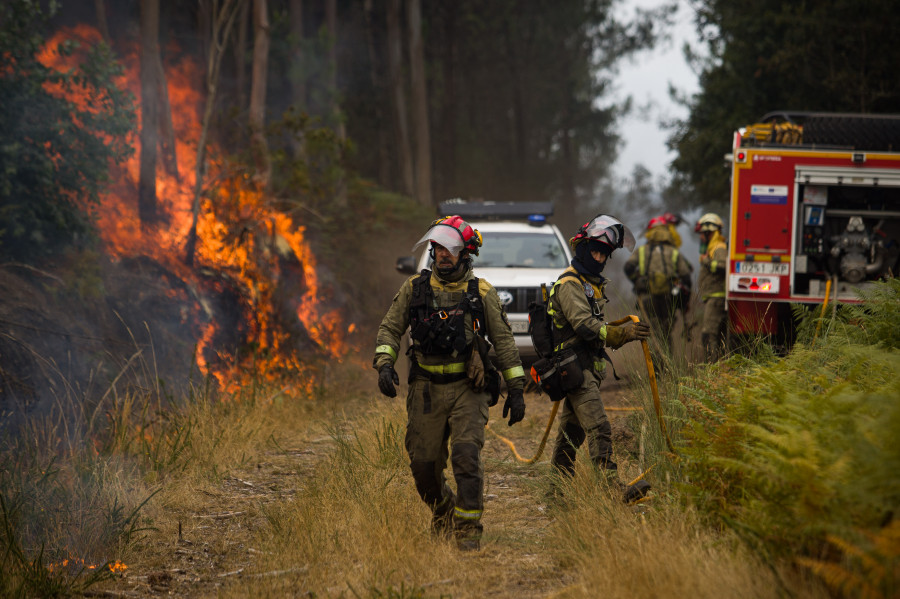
[{"x": 520, "y": 250}]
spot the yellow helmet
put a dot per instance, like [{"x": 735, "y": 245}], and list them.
[{"x": 708, "y": 222}]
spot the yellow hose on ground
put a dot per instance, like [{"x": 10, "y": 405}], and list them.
[
  {"x": 652, "y": 375},
  {"x": 512, "y": 446}
]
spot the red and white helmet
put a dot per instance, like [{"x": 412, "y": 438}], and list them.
[
  {"x": 672, "y": 219},
  {"x": 607, "y": 230},
  {"x": 453, "y": 233},
  {"x": 657, "y": 221}
]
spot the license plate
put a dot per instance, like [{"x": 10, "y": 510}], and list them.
[
  {"x": 762, "y": 268},
  {"x": 519, "y": 326}
]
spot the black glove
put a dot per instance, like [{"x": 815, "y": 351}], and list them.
[
  {"x": 514, "y": 406},
  {"x": 387, "y": 378}
]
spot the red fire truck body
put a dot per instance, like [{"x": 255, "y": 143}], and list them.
[{"x": 809, "y": 218}]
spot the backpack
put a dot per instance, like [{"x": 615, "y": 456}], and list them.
[
  {"x": 658, "y": 283},
  {"x": 540, "y": 325},
  {"x": 556, "y": 372}
]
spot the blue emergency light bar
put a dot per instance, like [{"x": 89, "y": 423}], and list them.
[{"x": 487, "y": 210}]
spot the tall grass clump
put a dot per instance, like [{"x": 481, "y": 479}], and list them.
[
  {"x": 358, "y": 525},
  {"x": 798, "y": 456},
  {"x": 63, "y": 522},
  {"x": 659, "y": 549},
  {"x": 80, "y": 482}
]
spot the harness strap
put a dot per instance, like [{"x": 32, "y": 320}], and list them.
[
  {"x": 585, "y": 355},
  {"x": 444, "y": 368},
  {"x": 438, "y": 377}
]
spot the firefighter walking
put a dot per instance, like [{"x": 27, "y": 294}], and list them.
[
  {"x": 661, "y": 277},
  {"x": 711, "y": 283},
  {"x": 451, "y": 315},
  {"x": 576, "y": 307}
]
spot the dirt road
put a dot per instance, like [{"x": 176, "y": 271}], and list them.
[{"x": 208, "y": 549}]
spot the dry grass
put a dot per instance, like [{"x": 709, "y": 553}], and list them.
[
  {"x": 656, "y": 550},
  {"x": 282, "y": 496}
]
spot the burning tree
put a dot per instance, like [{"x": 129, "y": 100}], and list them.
[
  {"x": 60, "y": 131},
  {"x": 251, "y": 302}
]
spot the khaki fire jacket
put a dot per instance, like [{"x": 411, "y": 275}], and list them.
[
  {"x": 574, "y": 321},
  {"x": 449, "y": 293},
  {"x": 711, "y": 282}
]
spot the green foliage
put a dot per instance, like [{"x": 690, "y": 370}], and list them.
[
  {"x": 796, "y": 452},
  {"x": 874, "y": 321},
  {"x": 829, "y": 56},
  {"x": 54, "y": 152}
]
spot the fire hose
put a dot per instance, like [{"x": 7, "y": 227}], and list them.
[{"x": 656, "y": 404}]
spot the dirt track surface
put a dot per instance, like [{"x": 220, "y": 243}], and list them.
[{"x": 203, "y": 552}]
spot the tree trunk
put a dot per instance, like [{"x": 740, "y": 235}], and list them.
[
  {"x": 421, "y": 128},
  {"x": 331, "y": 23},
  {"x": 240, "y": 56},
  {"x": 147, "y": 210},
  {"x": 220, "y": 21},
  {"x": 565, "y": 210},
  {"x": 517, "y": 102},
  {"x": 395, "y": 72},
  {"x": 297, "y": 71},
  {"x": 166, "y": 130},
  {"x": 100, "y": 8},
  {"x": 340, "y": 191},
  {"x": 384, "y": 166},
  {"x": 258, "y": 145},
  {"x": 447, "y": 186}
]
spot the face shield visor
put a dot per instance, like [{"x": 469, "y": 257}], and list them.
[
  {"x": 611, "y": 232},
  {"x": 444, "y": 235}
]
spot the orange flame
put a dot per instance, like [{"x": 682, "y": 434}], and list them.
[{"x": 250, "y": 260}]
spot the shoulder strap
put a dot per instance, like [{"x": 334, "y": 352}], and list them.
[
  {"x": 662, "y": 258},
  {"x": 476, "y": 306},
  {"x": 421, "y": 289},
  {"x": 590, "y": 298},
  {"x": 642, "y": 260}
]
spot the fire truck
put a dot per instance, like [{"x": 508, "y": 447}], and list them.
[{"x": 814, "y": 213}]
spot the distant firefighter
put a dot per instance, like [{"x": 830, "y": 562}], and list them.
[
  {"x": 661, "y": 277},
  {"x": 711, "y": 283}
]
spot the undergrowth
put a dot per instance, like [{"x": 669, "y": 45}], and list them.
[{"x": 798, "y": 455}]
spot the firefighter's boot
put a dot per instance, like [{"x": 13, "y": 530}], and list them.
[
  {"x": 442, "y": 518},
  {"x": 468, "y": 539},
  {"x": 630, "y": 494},
  {"x": 635, "y": 492}
]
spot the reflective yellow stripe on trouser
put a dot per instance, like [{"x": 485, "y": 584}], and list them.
[{"x": 466, "y": 514}]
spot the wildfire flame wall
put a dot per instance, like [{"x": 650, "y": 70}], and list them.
[{"x": 251, "y": 305}]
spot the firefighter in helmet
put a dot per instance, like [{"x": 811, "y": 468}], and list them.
[
  {"x": 661, "y": 277},
  {"x": 713, "y": 263},
  {"x": 672, "y": 221},
  {"x": 576, "y": 306},
  {"x": 451, "y": 315}
]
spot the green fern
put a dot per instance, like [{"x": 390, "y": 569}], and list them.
[{"x": 795, "y": 453}]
